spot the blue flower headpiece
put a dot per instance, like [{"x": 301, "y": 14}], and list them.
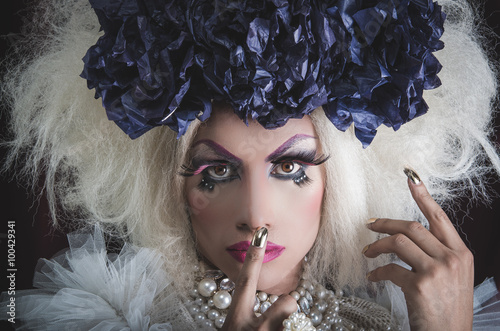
[{"x": 163, "y": 62}]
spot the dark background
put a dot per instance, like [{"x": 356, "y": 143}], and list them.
[{"x": 36, "y": 239}]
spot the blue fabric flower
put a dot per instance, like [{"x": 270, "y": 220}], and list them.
[{"x": 163, "y": 62}]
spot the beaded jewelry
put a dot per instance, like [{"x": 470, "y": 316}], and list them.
[{"x": 317, "y": 307}]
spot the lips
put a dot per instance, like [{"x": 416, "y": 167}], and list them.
[{"x": 239, "y": 251}]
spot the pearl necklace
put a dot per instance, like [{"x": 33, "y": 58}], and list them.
[{"x": 318, "y": 308}]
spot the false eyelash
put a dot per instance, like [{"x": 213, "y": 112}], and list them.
[
  {"x": 208, "y": 184},
  {"x": 304, "y": 157},
  {"x": 301, "y": 179},
  {"x": 197, "y": 167},
  {"x": 187, "y": 171}
]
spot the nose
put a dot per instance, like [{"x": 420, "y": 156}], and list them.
[{"x": 257, "y": 209}]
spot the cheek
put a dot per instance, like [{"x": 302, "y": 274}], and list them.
[
  {"x": 200, "y": 203},
  {"x": 201, "y": 209},
  {"x": 205, "y": 221},
  {"x": 314, "y": 201},
  {"x": 305, "y": 207},
  {"x": 208, "y": 210}
]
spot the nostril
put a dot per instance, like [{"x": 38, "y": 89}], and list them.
[{"x": 252, "y": 228}]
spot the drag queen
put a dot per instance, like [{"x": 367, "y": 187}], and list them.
[{"x": 254, "y": 169}]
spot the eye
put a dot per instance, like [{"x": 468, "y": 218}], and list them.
[
  {"x": 219, "y": 171},
  {"x": 286, "y": 168},
  {"x": 217, "y": 174},
  {"x": 291, "y": 170}
]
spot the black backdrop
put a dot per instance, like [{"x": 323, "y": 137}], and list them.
[{"x": 36, "y": 239}]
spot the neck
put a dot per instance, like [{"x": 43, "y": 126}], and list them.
[{"x": 288, "y": 283}]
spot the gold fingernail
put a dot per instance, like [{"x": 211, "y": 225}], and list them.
[
  {"x": 368, "y": 274},
  {"x": 259, "y": 237},
  {"x": 370, "y": 222},
  {"x": 365, "y": 249},
  {"x": 412, "y": 175}
]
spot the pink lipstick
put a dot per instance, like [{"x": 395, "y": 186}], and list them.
[{"x": 239, "y": 251}]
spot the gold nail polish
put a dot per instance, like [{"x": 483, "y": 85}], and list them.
[
  {"x": 412, "y": 175},
  {"x": 370, "y": 222},
  {"x": 259, "y": 237},
  {"x": 365, "y": 249},
  {"x": 368, "y": 274}
]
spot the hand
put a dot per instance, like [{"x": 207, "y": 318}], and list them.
[
  {"x": 241, "y": 315},
  {"x": 439, "y": 288}
]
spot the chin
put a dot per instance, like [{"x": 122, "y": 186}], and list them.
[{"x": 278, "y": 280}]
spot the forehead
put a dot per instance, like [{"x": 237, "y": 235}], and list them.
[{"x": 225, "y": 128}]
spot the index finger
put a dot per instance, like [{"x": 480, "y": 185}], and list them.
[
  {"x": 246, "y": 284},
  {"x": 439, "y": 223}
]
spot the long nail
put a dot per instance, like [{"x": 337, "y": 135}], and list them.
[
  {"x": 259, "y": 237},
  {"x": 365, "y": 249},
  {"x": 370, "y": 222},
  {"x": 412, "y": 175}
]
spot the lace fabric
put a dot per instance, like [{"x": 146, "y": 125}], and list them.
[
  {"x": 87, "y": 289},
  {"x": 486, "y": 306}
]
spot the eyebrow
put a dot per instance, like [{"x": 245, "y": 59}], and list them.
[
  {"x": 287, "y": 145},
  {"x": 219, "y": 150}
]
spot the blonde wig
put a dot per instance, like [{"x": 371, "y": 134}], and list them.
[{"x": 94, "y": 173}]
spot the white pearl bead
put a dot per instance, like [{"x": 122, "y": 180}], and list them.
[
  {"x": 273, "y": 298},
  {"x": 307, "y": 285},
  {"x": 295, "y": 295},
  {"x": 194, "y": 293},
  {"x": 207, "y": 287},
  {"x": 199, "y": 317},
  {"x": 204, "y": 308},
  {"x": 219, "y": 321},
  {"x": 301, "y": 290},
  {"x": 210, "y": 303},
  {"x": 321, "y": 306},
  {"x": 315, "y": 317},
  {"x": 329, "y": 319},
  {"x": 322, "y": 327},
  {"x": 222, "y": 299},
  {"x": 262, "y": 296},
  {"x": 212, "y": 314},
  {"x": 193, "y": 310}
]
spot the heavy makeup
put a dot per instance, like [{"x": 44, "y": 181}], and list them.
[{"x": 240, "y": 178}]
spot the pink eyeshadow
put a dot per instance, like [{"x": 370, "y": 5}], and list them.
[{"x": 200, "y": 169}]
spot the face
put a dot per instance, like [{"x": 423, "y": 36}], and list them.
[{"x": 241, "y": 178}]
